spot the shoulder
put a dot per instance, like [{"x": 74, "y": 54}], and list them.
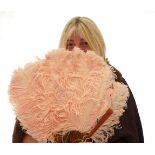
[
  {"x": 119, "y": 77},
  {"x": 118, "y": 74},
  {"x": 131, "y": 128}
]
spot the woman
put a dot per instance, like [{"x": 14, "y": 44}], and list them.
[{"x": 83, "y": 33}]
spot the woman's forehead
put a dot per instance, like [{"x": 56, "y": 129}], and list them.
[
  {"x": 72, "y": 40},
  {"x": 76, "y": 37}
]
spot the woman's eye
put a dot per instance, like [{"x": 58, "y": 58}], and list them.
[
  {"x": 70, "y": 45},
  {"x": 83, "y": 44}
]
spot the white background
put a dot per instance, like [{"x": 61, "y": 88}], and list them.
[{"x": 32, "y": 28}]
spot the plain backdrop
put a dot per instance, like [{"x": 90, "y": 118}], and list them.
[{"x": 29, "y": 29}]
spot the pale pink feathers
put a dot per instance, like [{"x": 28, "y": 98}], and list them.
[{"x": 68, "y": 90}]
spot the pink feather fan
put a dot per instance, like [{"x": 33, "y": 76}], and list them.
[{"x": 68, "y": 90}]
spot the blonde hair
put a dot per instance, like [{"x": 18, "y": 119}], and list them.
[{"x": 88, "y": 30}]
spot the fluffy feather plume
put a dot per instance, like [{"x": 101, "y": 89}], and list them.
[{"x": 68, "y": 90}]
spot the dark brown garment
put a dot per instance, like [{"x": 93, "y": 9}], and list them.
[
  {"x": 18, "y": 133},
  {"x": 130, "y": 131}
]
